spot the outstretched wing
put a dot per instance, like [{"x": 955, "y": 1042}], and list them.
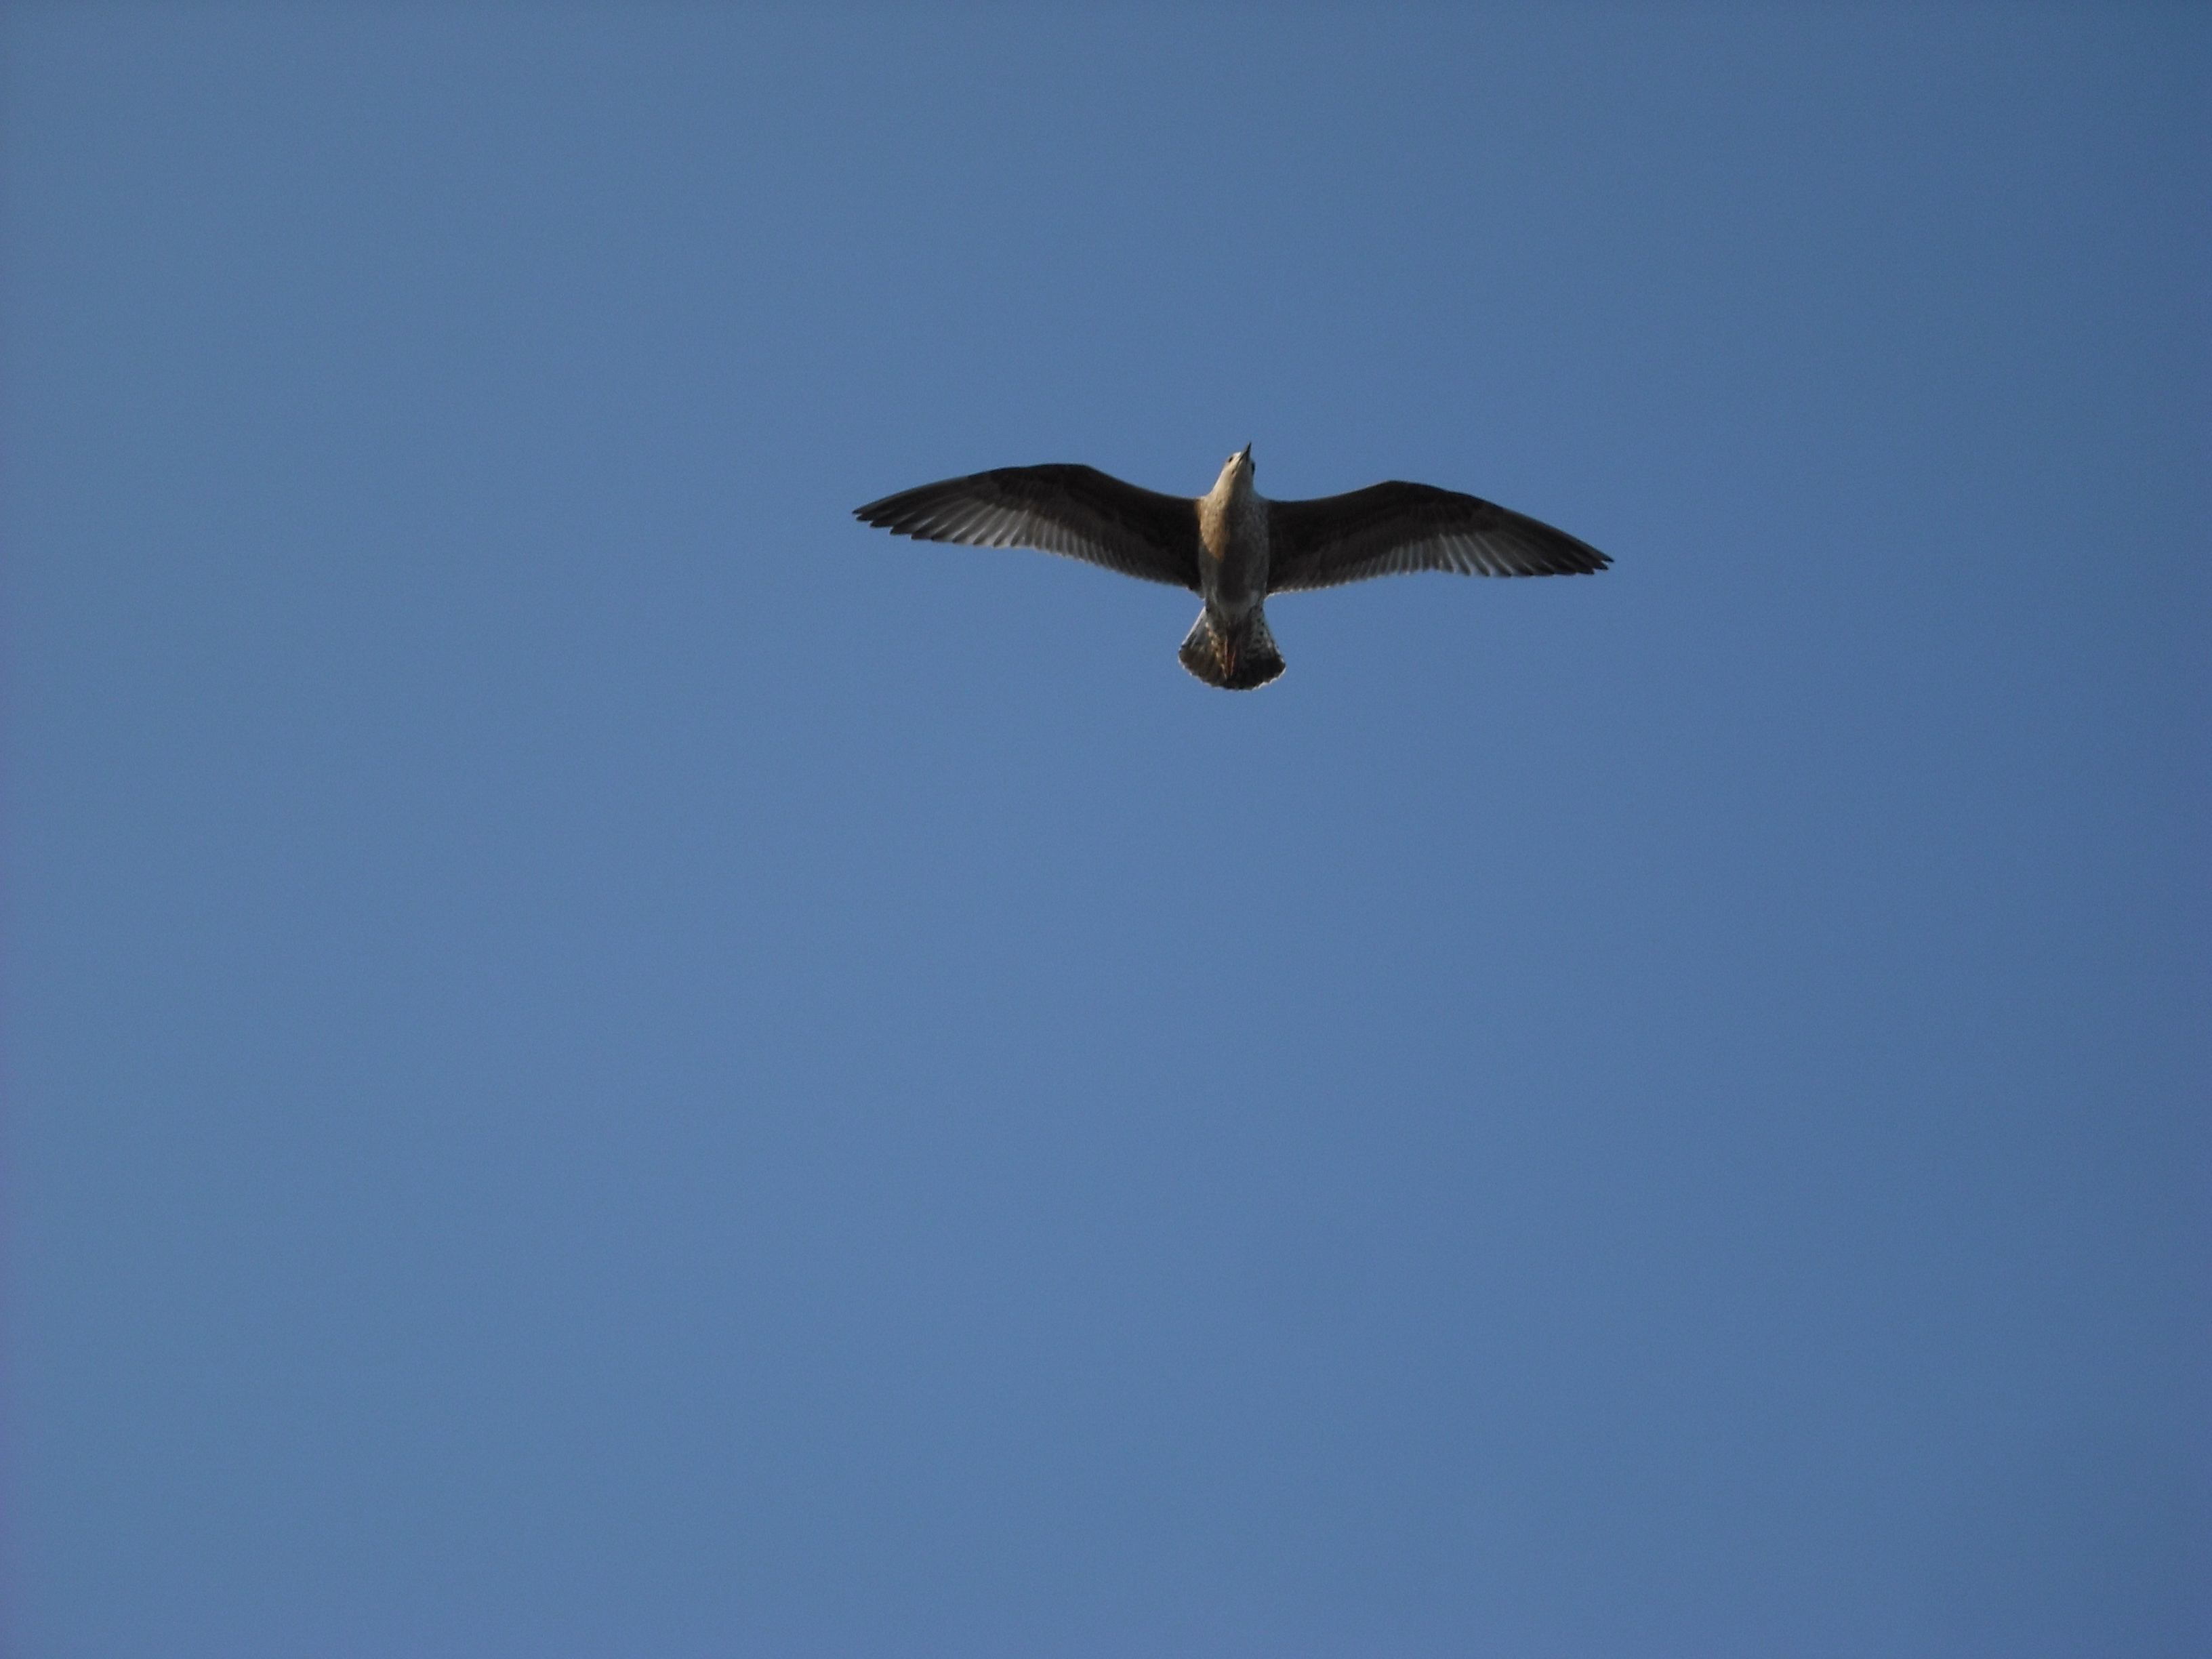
[
  {"x": 1075, "y": 510},
  {"x": 1390, "y": 527}
]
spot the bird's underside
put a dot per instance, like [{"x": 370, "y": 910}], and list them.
[{"x": 1232, "y": 545}]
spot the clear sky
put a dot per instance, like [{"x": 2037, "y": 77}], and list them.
[{"x": 600, "y": 1061}]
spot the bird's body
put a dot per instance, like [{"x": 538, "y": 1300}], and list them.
[
  {"x": 1232, "y": 545},
  {"x": 1230, "y": 644}
]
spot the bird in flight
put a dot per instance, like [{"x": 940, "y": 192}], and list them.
[{"x": 1232, "y": 546}]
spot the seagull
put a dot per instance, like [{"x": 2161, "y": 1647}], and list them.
[{"x": 1232, "y": 546}]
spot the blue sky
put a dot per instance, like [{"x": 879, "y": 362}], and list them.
[{"x": 601, "y": 1060}]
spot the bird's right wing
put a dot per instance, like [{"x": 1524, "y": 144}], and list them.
[
  {"x": 1391, "y": 527},
  {"x": 1075, "y": 510}
]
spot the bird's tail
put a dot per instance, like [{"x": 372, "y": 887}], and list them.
[{"x": 1236, "y": 657}]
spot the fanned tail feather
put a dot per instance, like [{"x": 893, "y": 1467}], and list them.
[{"x": 1237, "y": 657}]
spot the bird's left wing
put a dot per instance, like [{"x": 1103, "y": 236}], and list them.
[
  {"x": 1390, "y": 527},
  {"x": 1075, "y": 510}
]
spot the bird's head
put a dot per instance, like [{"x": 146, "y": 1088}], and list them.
[{"x": 1238, "y": 473}]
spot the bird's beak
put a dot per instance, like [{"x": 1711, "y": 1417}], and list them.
[{"x": 1247, "y": 456}]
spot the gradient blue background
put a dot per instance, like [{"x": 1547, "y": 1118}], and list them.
[{"x": 602, "y": 1061}]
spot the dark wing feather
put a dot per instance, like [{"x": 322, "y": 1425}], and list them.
[
  {"x": 1075, "y": 510},
  {"x": 1390, "y": 527}
]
